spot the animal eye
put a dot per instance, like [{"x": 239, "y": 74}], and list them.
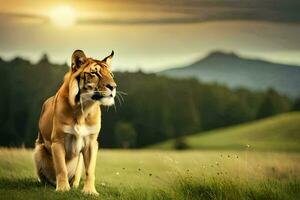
[
  {"x": 89, "y": 86},
  {"x": 97, "y": 74}
]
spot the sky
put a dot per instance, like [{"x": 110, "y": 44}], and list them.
[{"x": 151, "y": 35}]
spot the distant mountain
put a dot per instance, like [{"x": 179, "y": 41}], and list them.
[{"x": 235, "y": 71}]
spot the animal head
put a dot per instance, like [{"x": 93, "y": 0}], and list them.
[{"x": 91, "y": 79}]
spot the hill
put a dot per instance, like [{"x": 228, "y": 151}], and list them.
[
  {"x": 235, "y": 71},
  {"x": 280, "y": 133}
]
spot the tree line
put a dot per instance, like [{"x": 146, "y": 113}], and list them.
[{"x": 155, "y": 108}]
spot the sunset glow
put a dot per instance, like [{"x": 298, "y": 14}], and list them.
[
  {"x": 63, "y": 16},
  {"x": 142, "y": 33}
]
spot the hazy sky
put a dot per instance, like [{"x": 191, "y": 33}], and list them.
[{"x": 150, "y": 34}]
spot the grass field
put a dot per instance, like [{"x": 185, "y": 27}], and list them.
[
  {"x": 278, "y": 133},
  {"x": 151, "y": 174}
]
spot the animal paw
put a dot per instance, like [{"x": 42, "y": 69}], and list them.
[
  {"x": 75, "y": 184},
  {"x": 90, "y": 191},
  {"x": 63, "y": 188}
]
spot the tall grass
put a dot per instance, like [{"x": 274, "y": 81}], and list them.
[{"x": 165, "y": 175}]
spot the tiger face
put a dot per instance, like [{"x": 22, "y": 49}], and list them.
[{"x": 94, "y": 79}]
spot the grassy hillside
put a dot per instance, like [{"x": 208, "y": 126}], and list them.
[
  {"x": 280, "y": 133},
  {"x": 165, "y": 175}
]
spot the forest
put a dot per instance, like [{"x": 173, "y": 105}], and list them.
[{"x": 153, "y": 108}]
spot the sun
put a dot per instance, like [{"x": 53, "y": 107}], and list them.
[{"x": 63, "y": 16}]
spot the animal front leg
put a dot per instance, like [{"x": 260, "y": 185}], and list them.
[
  {"x": 58, "y": 152},
  {"x": 90, "y": 157},
  {"x": 78, "y": 171}
]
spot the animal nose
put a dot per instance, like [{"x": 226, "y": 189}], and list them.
[
  {"x": 111, "y": 86},
  {"x": 96, "y": 96}
]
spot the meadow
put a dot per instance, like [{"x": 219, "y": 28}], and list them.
[
  {"x": 277, "y": 133},
  {"x": 155, "y": 174}
]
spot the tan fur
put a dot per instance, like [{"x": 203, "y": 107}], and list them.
[{"x": 69, "y": 129}]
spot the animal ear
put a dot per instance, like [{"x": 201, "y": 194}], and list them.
[
  {"x": 108, "y": 59},
  {"x": 78, "y": 58}
]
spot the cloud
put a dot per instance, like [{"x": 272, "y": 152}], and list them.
[
  {"x": 22, "y": 16},
  {"x": 189, "y": 12},
  {"x": 141, "y": 21},
  {"x": 192, "y": 19}
]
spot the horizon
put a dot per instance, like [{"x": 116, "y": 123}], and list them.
[
  {"x": 147, "y": 35},
  {"x": 187, "y": 64}
]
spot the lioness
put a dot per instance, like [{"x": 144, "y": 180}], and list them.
[{"x": 70, "y": 123}]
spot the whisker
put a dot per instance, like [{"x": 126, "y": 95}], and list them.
[
  {"x": 121, "y": 97},
  {"x": 120, "y": 103},
  {"x": 115, "y": 107},
  {"x": 121, "y": 92}
]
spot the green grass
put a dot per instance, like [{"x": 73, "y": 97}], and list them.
[
  {"x": 279, "y": 133},
  {"x": 152, "y": 174}
]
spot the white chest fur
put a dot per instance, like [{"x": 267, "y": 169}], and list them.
[
  {"x": 76, "y": 139},
  {"x": 80, "y": 129}
]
